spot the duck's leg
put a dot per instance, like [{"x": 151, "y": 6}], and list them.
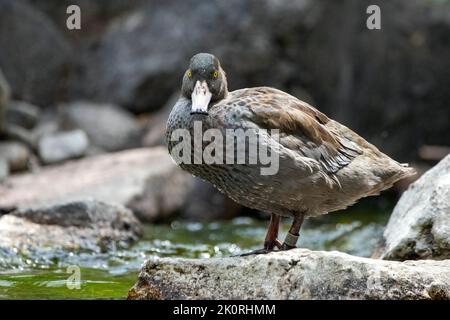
[
  {"x": 271, "y": 240},
  {"x": 291, "y": 239}
]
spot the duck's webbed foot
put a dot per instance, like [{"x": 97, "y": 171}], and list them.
[
  {"x": 269, "y": 246},
  {"x": 271, "y": 238},
  {"x": 272, "y": 243}
]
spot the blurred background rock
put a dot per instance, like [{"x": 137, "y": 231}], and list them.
[{"x": 67, "y": 94}]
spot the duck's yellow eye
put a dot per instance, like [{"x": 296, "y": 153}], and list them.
[
  {"x": 189, "y": 73},
  {"x": 215, "y": 74}
]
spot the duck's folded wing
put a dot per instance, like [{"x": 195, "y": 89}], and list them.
[{"x": 303, "y": 129}]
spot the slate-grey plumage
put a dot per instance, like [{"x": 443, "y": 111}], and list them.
[{"x": 323, "y": 165}]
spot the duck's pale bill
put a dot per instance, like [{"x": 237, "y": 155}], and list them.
[{"x": 201, "y": 96}]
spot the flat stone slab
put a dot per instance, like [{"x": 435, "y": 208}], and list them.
[
  {"x": 295, "y": 274},
  {"x": 112, "y": 178},
  {"x": 145, "y": 180}
]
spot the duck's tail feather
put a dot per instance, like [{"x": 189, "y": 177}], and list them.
[{"x": 405, "y": 171}]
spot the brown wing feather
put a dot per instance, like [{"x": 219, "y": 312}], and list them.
[{"x": 302, "y": 127}]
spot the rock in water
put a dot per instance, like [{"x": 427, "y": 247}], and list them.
[
  {"x": 77, "y": 225},
  {"x": 63, "y": 146},
  {"x": 295, "y": 274},
  {"x": 419, "y": 227}
]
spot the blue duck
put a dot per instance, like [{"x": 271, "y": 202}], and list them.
[{"x": 323, "y": 165}]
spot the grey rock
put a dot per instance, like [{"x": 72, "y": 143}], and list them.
[
  {"x": 22, "y": 114},
  {"x": 17, "y": 154},
  {"x": 35, "y": 57},
  {"x": 294, "y": 274},
  {"x": 72, "y": 226},
  {"x": 96, "y": 14},
  {"x": 108, "y": 126},
  {"x": 206, "y": 203},
  {"x": 138, "y": 66},
  {"x": 86, "y": 214},
  {"x": 419, "y": 227},
  {"x": 164, "y": 193},
  {"x": 63, "y": 146},
  {"x": 48, "y": 125},
  {"x": 124, "y": 178},
  {"x": 155, "y": 128}
]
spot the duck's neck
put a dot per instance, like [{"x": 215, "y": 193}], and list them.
[{"x": 222, "y": 93}]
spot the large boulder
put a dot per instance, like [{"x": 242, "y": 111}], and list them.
[
  {"x": 419, "y": 227},
  {"x": 135, "y": 178},
  {"x": 108, "y": 126},
  {"x": 388, "y": 85},
  {"x": 206, "y": 203},
  {"x": 294, "y": 274},
  {"x": 63, "y": 146},
  {"x": 138, "y": 66},
  {"x": 35, "y": 57},
  {"x": 164, "y": 193},
  {"x": 88, "y": 225}
]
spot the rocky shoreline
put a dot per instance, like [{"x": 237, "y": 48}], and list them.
[
  {"x": 63, "y": 216},
  {"x": 295, "y": 274}
]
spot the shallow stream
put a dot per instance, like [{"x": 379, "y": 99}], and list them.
[{"x": 110, "y": 274}]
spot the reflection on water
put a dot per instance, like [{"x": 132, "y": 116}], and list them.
[{"x": 42, "y": 274}]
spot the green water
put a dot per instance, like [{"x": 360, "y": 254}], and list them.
[{"x": 109, "y": 275}]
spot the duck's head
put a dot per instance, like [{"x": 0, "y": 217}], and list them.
[{"x": 204, "y": 82}]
